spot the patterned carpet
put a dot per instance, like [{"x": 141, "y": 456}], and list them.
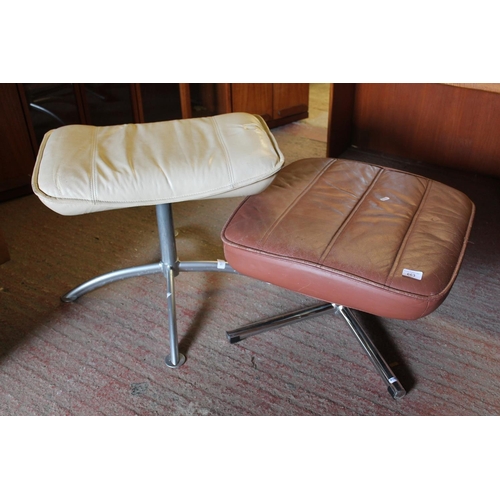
[{"x": 103, "y": 354}]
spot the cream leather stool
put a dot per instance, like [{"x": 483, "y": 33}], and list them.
[{"x": 82, "y": 169}]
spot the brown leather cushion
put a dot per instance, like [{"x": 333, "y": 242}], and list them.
[{"x": 354, "y": 234}]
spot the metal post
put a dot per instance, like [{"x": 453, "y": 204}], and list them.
[{"x": 170, "y": 265}]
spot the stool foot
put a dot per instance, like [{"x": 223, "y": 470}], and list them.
[
  {"x": 181, "y": 360},
  {"x": 396, "y": 390}
]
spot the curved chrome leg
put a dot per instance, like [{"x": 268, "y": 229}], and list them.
[{"x": 106, "y": 279}]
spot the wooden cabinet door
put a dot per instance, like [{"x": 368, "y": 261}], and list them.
[
  {"x": 254, "y": 98},
  {"x": 17, "y": 157},
  {"x": 290, "y": 99},
  {"x": 277, "y": 103}
]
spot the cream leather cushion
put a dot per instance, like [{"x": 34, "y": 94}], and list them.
[{"x": 82, "y": 168}]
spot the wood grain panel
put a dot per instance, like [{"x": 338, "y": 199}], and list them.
[
  {"x": 223, "y": 93},
  {"x": 440, "y": 124},
  {"x": 290, "y": 99},
  {"x": 256, "y": 98},
  {"x": 16, "y": 151},
  {"x": 341, "y": 108},
  {"x": 4, "y": 249},
  {"x": 489, "y": 87}
]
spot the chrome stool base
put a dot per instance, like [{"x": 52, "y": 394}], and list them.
[
  {"x": 394, "y": 387},
  {"x": 169, "y": 266}
]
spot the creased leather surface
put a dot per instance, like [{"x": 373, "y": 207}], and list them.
[
  {"x": 344, "y": 231},
  {"x": 82, "y": 168}
]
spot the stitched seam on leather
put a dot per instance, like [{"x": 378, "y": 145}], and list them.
[
  {"x": 404, "y": 241},
  {"x": 185, "y": 197},
  {"x": 57, "y": 170},
  {"x": 313, "y": 181},
  {"x": 336, "y": 272},
  {"x": 93, "y": 177},
  {"x": 340, "y": 230},
  {"x": 229, "y": 165}
]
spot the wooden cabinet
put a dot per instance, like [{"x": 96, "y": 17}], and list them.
[
  {"x": 53, "y": 105},
  {"x": 28, "y": 111},
  {"x": 4, "y": 249},
  {"x": 449, "y": 125},
  {"x": 277, "y": 103},
  {"x": 17, "y": 146}
]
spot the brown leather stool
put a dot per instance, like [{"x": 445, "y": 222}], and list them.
[{"x": 367, "y": 237}]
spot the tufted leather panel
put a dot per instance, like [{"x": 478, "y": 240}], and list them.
[
  {"x": 82, "y": 168},
  {"x": 354, "y": 234}
]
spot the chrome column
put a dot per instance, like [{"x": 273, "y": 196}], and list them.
[{"x": 169, "y": 264}]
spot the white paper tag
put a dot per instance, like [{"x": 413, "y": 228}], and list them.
[
  {"x": 416, "y": 275},
  {"x": 221, "y": 264}
]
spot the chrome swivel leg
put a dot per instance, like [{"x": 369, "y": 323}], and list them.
[
  {"x": 246, "y": 331},
  {"x": 106, "y": 279},
  {"x": 395, "y": 389}
]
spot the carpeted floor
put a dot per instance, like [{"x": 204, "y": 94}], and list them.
[{"x": 103, "y": 355}]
